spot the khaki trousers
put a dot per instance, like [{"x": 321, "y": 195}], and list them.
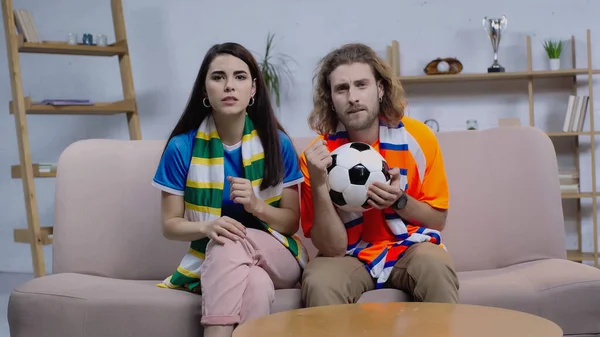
[{"x": 425, "y": 271}]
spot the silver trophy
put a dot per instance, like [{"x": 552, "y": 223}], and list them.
[{"x": 494, "y": 28}]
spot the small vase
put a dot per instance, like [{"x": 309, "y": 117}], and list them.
[
  {"x": 472, "y": 124},
  {"x": 554, "y": 64}
]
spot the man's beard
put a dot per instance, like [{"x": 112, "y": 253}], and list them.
[{"x": 363, "y": 123}]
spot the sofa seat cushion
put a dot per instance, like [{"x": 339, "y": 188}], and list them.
[
  {"x": 83, "y": 305},
  {"x": 562, "y": 291},
  {"x": 384, "y": 295}
]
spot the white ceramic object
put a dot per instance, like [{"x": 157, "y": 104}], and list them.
[{"x": 554, "y": 64}]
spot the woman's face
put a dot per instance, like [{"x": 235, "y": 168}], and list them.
[{"x": 229, "y": 85}]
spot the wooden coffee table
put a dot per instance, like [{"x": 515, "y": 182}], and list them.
[{"x": 400, "y": 319}]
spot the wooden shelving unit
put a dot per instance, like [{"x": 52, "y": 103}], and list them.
[
  {"x": 530, "y": 76},
  {"x": 38, "y": 172},
  {"x": 110, "y": 108},
  {"x": 62, "y": 48},
  {"x": 20, "y": 106},
  {"x": 517, "y": 75}
]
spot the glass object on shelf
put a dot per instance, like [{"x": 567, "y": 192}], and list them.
[
  {"x": 472, "y": 124},
  {"x": 72, "y": 39},
  {"x": 101, "y": 38},
  {"x": 87, "y": 39}
]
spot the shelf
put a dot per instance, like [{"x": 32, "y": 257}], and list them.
[
  {"x": 572, "y": 133},
  {"x": 575, "y": 255},
  {"x": 21, "y": 106},
  {"x": 21, "y": 235},
  {"x": 526, "y": 80},
  {"x": 496, "y": 76},
  {"x": 103, "y": 108},
  {"x": 578, "y": 195},
  {"x": 63, "y": 48},
  {"x": 45, "y": 172}
]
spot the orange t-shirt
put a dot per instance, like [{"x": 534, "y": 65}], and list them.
[{"x": 422, "y": 159}]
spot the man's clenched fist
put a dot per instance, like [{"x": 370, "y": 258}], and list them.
[{"x": 318, "y": 158}]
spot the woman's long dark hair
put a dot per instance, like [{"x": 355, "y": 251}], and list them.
[{"x": 261, "y": 112}]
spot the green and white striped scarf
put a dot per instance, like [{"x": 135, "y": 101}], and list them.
[{"x": 204, "y": 191}]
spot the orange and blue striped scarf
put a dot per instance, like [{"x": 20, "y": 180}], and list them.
[{"x": 380, "y": 257}]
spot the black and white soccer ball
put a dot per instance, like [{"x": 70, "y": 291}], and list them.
[{"x": 354, "y": 167}]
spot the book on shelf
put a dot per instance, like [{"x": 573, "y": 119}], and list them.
[
  {"x": 569, "y": 181},
  {"x": 26, "y": 25},
  {"x": 577, "y": 107},
  {"x": 47, "y": 167},
  {"x": 62, "y": 101},
  {"x": 569, "y": 189}
]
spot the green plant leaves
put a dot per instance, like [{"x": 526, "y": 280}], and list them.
[
  {"x": 553, "y": 48},
  {"x": 274, "y": 68}
]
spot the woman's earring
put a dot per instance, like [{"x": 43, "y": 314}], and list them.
[
  {"x": 251, "y": 101},
  {"x": 380, "y": 99},
  {"x": 204, "y": 102}
]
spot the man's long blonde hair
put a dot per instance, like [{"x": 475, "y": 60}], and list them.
[{"x": 323, "y": 118}]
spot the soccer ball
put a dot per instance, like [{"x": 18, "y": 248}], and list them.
[{"x": 354, "y": 167}]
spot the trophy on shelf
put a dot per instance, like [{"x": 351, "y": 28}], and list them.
[{"x": 494, "y": 28}]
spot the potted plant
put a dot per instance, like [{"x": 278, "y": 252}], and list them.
[
  {"x": 274, "y": 68},
  {"x": 553, "y": 50}
]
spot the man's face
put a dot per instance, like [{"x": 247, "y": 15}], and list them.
[{"x": 355, "y": 95}]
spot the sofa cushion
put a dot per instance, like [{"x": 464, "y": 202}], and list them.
[
  {"x": 489, "y": 172},
  {"x": 106, "y": 219},
  {"x": 76, "y": 304},
  {"x": 70, "y": 304},
  {"x": 562, "y": 291},
  {"x": 81, "y": 305},
  {"x": 384, "y": 295}
]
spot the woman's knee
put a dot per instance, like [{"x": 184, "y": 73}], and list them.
[
  {"x": 277, "y": 260},
  {"x": 229, "y": 250},
  {"x": 225, "y": 265}
]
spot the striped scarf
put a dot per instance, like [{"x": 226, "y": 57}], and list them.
[
  {"x": 204, "y": 191},
  {"x": 380, "y": 257}
]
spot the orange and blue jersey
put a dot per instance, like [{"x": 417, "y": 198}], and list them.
[{"x": 380, "y": 237}]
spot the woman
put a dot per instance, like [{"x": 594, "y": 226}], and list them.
[{"x": 229, "y": 176}]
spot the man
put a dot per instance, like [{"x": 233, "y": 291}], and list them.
[{"x": 397, "y": 243}]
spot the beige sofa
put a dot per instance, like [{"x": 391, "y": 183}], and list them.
[{"x": 505, "y": 232}]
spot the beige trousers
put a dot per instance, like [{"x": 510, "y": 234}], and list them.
[{"x": 425, "y": 271}]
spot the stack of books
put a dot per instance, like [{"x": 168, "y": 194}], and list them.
[
  {"x": 569, "y": 181},
  {"x": 26, "y": 26},
  {"x": 576, "y": 110}
]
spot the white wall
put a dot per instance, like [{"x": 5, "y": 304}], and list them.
[{"x": 167, "y": 43}]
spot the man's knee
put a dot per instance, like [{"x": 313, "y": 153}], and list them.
[
  {"x": 318, "y": 285},
  {"x": 431, "y": 255},
  {"x": 338, "y": 280},
  {"x": 432, "y": 269}
]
